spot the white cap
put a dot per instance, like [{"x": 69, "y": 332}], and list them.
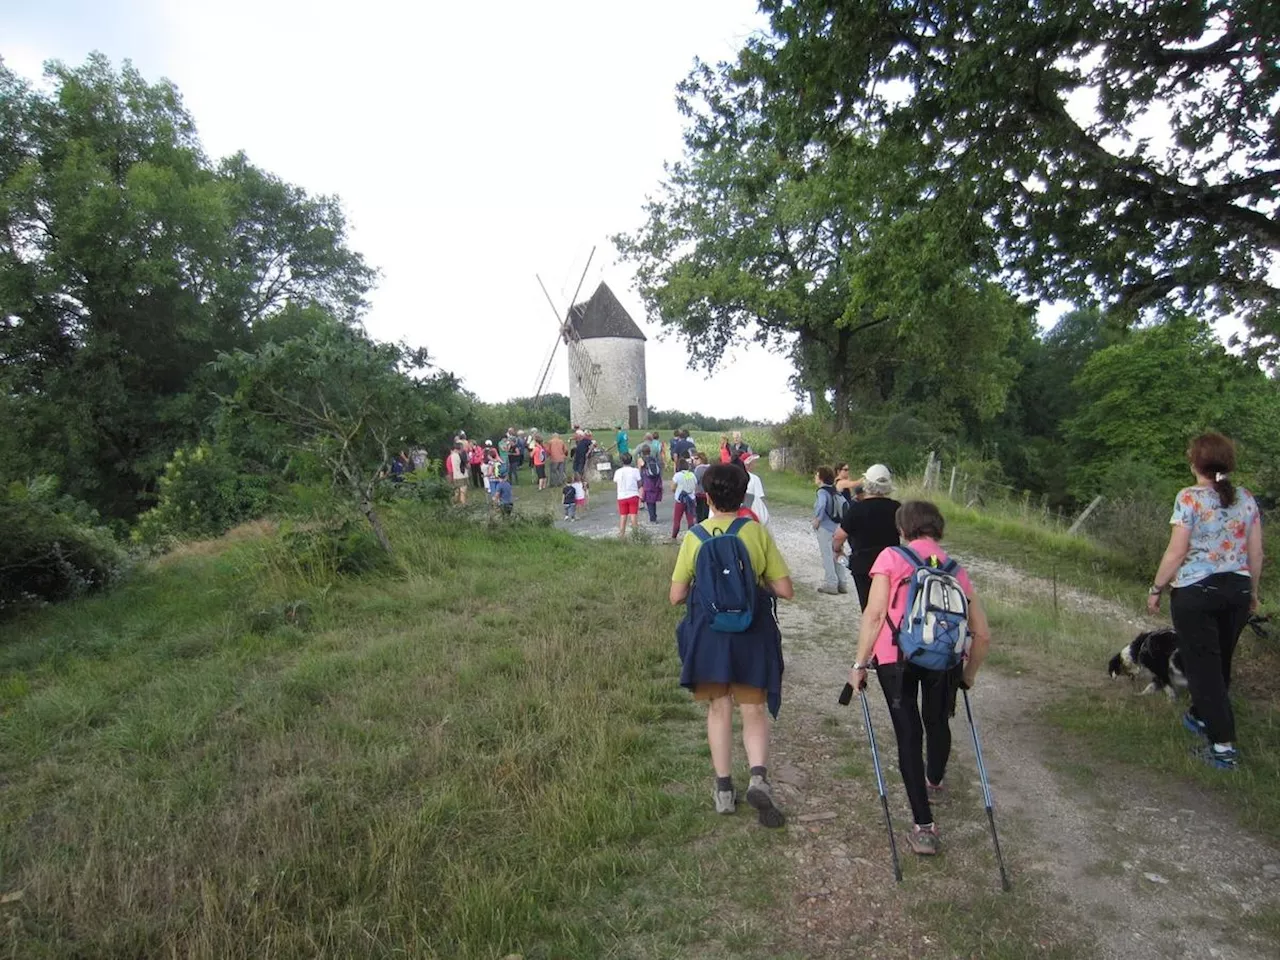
[{"x": 878, "y": 474}]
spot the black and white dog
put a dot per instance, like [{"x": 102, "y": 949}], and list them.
[{"x": 1154, "y": 656}]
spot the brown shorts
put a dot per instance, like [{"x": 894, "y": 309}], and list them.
[{"x": 742, "y": 693}]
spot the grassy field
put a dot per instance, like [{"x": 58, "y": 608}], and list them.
[{"x": 482, "y": 751}]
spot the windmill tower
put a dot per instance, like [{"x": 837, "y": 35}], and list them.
[{"x": 606, "y": 364}]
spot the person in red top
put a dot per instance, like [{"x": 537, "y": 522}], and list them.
[
  {"x": 920, "y": 701},
  {"x": 540, "y": 462}
]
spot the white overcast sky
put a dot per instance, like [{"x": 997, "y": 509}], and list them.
[{"x": 473, "y": 146}]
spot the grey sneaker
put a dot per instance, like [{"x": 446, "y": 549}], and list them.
[
  {"x": 924, "y": 840},
  {"x": 830, "y": 591},
  {"x": 760, "y": 796},
  {"x": 726, "y": 800},
  {"x": 843, "y": 588}
]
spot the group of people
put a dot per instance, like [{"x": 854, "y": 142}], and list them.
[
  {"x": 495, "y": 467},
  {"x": 1212, "y": 567},
  {"x": 745, "y": 666},
  {"x": 642, "y": 479}
]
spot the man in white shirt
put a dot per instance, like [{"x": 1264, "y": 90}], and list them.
[
  {"x": 627, "y": 478},
  {"x": 755, "y": 491}
]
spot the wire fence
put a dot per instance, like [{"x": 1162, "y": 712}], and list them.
[{"x": 975, "y": 490}]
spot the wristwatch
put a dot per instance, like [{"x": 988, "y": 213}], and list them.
[
  {"x": 859, "y": 666},
  {"x": 1154, "y": 590}
]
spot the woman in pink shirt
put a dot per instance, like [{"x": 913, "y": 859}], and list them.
[{"x": 920, "y": 701}]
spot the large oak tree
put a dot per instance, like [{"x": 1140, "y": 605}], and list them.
[{"x": 1124, "y": 150}]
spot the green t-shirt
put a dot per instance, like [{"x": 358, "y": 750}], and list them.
[{"x": 766, "y": 559}]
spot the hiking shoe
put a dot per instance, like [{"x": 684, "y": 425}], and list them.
[
  {"x": 726, "y": 800},
  {"x": 924, "y": 840},
  {"x": 829, "y": 591},
  {"x": 760, "y": 796},
  {"x": 1222, "y": 759},
  {"x": 843, "y": 588},
  {"x": 1195, "y": 725},
  {"x": 936, "y": 791}
]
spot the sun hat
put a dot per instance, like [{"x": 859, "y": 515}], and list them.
[
  {"x": 877, "y": 473},
  {"x": 878, "y": 478},
  {"x": 750, "y": 458},
  {"x": 488, "y": 443}
]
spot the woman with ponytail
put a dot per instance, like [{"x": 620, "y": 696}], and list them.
[{"x": 1213, "y": 562}]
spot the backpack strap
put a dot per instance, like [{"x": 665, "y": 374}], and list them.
[
  {"x": 700, "y": 532},
  {"x": 738, "y": 524},
  {"x": 917, "y": 563},
  {"x": 910, "y": 555}
]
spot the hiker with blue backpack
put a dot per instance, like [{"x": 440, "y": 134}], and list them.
[
  {"x": 828, "y": 511},
  {"x": 925, "y": 634},
  {"x": 729, "y": 574}
]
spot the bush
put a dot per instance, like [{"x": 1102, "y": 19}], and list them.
[
  {"x": 202, "y": 494},
  {"x": 321, "y": 554},
  {"x": 52, "y": 547},
  {"x": 1137, "y": 526},
  {"x": 899, "y": 441}
]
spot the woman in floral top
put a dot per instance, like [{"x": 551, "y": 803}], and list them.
[{"x": 1213, "y": 562}]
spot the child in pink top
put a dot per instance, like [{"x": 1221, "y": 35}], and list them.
[{"x": 920, "y": 701}]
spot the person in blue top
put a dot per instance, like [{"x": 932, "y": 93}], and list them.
[
  {"x": 1213, "y": 563},
  {"x": 624, "y": 441},
  {"x": 502, "y": 492},
  {"x": 828, "y": 511}
]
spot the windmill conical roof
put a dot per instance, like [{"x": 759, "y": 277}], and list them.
[{"x": 603, "y": 316}]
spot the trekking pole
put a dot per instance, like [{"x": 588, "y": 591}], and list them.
[
  {"x": 845, "y": 696},
  {"x": 986, "y": 792}
]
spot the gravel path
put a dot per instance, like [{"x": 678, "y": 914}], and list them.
[{"x": 1124, "y": 865}]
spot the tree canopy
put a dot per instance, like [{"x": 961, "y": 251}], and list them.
[
  {"x": 1122, "y": 152},
  {"x": 128, "y": 261},
  {"x": 877, "y": 292}
]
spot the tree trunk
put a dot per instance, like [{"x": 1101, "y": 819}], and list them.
[{"x": 366, "y": 507}]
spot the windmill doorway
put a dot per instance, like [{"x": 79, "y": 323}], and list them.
[{"x": 633, "y": 417}]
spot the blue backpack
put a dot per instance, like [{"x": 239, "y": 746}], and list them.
[
  {"x": 934, "y": 632},
  {"x": 724, "y": 583}
]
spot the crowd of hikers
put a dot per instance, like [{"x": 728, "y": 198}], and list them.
[
  {"x": 492, "y": 470},
  {"x": 923, "y": 630}
]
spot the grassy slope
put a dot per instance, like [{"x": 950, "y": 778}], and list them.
[{"x": 486, "y": 754}]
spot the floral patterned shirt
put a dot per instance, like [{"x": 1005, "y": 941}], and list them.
[{"x": 1218, "y": 536}]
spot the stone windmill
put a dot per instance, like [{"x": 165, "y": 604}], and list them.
[
  {"x": 606, "y": 361},
  {"x": 606, "y": 364}
]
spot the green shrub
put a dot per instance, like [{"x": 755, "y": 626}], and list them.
[
  {"x": 202, "y": 494},
  {"x": 51, "y": 547},
  {"x": 320, "y": 554}
]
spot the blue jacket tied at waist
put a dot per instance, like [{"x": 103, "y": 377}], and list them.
[{"x": 752, "y": 657}]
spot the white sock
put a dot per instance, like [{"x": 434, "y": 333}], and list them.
[{"x": 1222, "y": 747}]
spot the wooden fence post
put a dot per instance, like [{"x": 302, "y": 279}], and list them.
[
  {"x": 951, "y": 490},
  {"x": 1085, "y": 516}
]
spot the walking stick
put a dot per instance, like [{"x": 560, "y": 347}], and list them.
[
  {"x": 845, "y": 696},
  {"x": 986, "y": 792}
]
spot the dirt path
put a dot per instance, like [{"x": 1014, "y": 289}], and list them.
[{"x": 1117, "y": 863}]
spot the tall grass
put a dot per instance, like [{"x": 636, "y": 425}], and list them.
[{"x": 472, "y": 757}]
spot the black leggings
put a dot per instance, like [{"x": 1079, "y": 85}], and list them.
[
  {"x": 1208, "y": 616},
  {"x": 920, "y": 704}
]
